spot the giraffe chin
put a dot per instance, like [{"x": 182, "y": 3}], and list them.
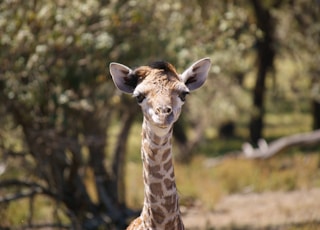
[
  {"x": 163, "y": 122},
  {"x": 161, "y": 129},
  {"x": 163, "y": 125}
]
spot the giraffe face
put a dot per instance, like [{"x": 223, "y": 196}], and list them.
[
  {"x": 161, "y": 95},
  {"x": 159, "y": 89}
]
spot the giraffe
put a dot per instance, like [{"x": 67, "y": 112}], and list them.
[{"x": 161, "y": 92}]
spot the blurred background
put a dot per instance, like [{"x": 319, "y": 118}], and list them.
[{"x": 70, "y": 142}]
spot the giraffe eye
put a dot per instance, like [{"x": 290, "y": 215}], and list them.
[
  {"x": 140, "y": 97},
  {"x": 183, "y": 95}
]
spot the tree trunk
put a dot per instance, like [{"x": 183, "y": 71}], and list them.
[
  {"x": 104, "y": 181},
  {"x": 316, "y": 114},
  {"x": 118, "y": 162},
  {"x": 265, "y": 58},
  {"x": 186, "y": 144},
  {"x": 315, "y": 101}
]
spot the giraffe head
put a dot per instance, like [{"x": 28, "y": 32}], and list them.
[{"x": 159, "y": 89}]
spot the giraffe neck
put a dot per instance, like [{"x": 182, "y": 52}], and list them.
[{"x": 161, "y": 207}]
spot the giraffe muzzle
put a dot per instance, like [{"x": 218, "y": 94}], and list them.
[{"x": 163, "y": 110}]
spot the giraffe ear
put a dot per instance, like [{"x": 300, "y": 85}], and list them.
[
  {"x": 196, "y": 74},
  {"x": 122, "y": 77}
]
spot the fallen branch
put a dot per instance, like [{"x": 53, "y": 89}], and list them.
[{"x": 266, "y": 150}]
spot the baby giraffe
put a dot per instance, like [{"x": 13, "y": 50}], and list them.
[{"x": 161, "y": 92}]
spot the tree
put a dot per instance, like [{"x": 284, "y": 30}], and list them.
[
  {"x": 60, "y": 106},
  {"x": 265, "y": 56},
  {"x": 306, "y": 18},
  {"x": 54, "y": 90}
]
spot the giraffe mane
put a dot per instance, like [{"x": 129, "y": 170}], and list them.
[
  {"x": 162, "y": 65},
  {"x": 164, "y": 68}
]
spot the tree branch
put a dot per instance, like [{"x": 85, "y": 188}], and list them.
[{"x": 34, "y": 189}]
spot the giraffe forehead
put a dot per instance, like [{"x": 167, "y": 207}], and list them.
[
  {"x": 159, "y": 78},
  {"x": 164, "y": 81},
  {"x": 160, "y": 85}
]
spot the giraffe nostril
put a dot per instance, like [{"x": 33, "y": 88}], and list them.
[{"x": 164, "y": 110}]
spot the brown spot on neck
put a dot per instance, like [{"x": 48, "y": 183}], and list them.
[
  {"x": 156, "y": 189},
  {"x": 175, "y": 223},
  {"x": 166, "y": 154},
  {"x": 168, "y": 165},
  {"x": 169, "y": 184}
]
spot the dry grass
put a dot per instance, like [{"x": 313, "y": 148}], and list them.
[
  {"x": 44, "y": 210},
  {"x": 202, "y": 183}
]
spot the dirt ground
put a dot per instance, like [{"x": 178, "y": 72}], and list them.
[{"x": 270, "y": 210}]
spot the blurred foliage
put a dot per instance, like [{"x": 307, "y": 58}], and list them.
[{"x": 57, "y": 102}]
